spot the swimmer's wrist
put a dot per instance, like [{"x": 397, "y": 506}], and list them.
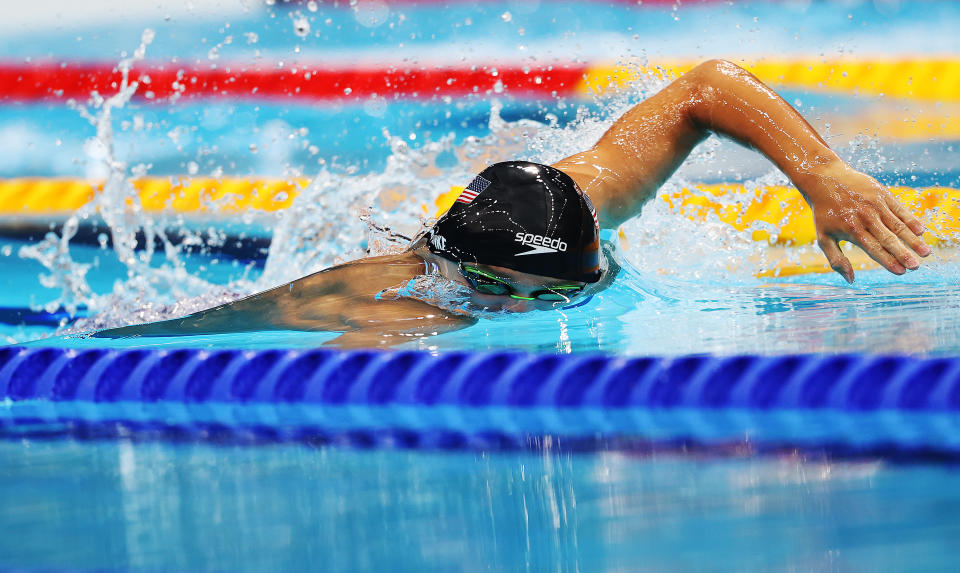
[{"x": 813, "y": 177}]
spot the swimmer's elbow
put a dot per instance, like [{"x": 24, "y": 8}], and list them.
[
  {"x": 708, "y": 85},
  {"x": 714, "y": 72}
]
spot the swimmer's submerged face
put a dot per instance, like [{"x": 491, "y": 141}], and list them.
[{"x": 500, "y": 288}]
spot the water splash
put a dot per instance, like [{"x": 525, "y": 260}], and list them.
[
  {"x": 343, "y": 214},
  {"x": 133, "y": 233}
]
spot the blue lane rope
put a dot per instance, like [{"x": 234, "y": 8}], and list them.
[
  {"x": 843, "y": 382},
  {"x": 898, "y": 408}
]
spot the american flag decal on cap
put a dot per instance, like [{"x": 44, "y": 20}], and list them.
[
  {"x": 593, "y": 212},
  {"x": 473, "y": 189}
]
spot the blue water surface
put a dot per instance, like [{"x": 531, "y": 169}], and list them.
[{"x": 128, "y": 506}]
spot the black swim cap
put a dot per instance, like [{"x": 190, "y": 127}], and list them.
[{"x": 523, "y": 216}]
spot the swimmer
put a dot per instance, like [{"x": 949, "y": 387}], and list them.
[{"x": 524, "y": 236}]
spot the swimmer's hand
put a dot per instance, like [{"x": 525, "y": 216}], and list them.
[{"x": 851, "y": 206}]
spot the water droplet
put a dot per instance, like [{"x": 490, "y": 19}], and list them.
[
  {"x": 375, "y": 107},
  {"x": 506, "y": 17},
  {"x": 301, "y": 26},
  {"x": 253, "y": 148},
  {"x": 370, "y": 13},
  {"x": 312, "y": 6}
]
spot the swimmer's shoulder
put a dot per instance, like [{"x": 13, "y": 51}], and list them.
[{"x": 368, "y": 275}]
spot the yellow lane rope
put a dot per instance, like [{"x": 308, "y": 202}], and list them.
[
  {"x": 931, "y": 79},
  {"x": 38, "y": 196},
  {"x": 776, "y": 215},
  {"x": 931, "y": 85}
]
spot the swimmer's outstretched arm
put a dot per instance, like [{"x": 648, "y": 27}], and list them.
[
  {"x": 645, "y": 146},
  {"x": 339, "y": 299}
]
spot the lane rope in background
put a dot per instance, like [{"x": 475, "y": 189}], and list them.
[
  {"x": 778, "y": 207},
  {"x": 923, "y": 79}
]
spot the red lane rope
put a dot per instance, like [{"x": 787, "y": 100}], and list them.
[{"x": 55, "y": 81}]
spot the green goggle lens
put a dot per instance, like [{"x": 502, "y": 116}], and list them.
[
  {"x": 492, "y": 288},
  {"x": 485, "y": 283}
]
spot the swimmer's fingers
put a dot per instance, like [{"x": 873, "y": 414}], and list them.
[
  {"x": 904, "y": 225},
  {"x": 903, "y": 214},
  {"x": 838, "y": 261},
  {"x": 878, "y": 251},
  {"x": 892, "y": 244}
]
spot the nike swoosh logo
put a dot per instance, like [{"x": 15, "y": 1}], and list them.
[{"x": 537, "y": 250}]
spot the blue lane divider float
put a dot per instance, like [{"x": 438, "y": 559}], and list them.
[
  {"x": 508, "y": 379},
  {"x": 902, "y": 408}
]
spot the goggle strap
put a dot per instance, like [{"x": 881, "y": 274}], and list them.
[{"x": 477, "y": 271}]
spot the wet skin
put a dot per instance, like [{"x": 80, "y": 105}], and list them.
[
  {"x": 620, "y": 174},
  {"x": 338, "y": 299},
  {"x": 344, "y": 299},
  {"x": 648, "y": 143}
]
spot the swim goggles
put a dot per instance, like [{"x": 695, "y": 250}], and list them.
[{"x": 486, "y": 283}]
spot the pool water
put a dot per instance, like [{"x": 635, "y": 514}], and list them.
[
  {"x": 211, "y": 487},
  {"x": 643, "y": 313},
  {"x": 149, "y": 506}
]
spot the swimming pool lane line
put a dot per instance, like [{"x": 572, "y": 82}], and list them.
[
  {"x": 914, "y": 78},
  {"x": 843, "y": 382},
  {"x": 845, "y": 406},
  {"x": 774, "y": 205}
]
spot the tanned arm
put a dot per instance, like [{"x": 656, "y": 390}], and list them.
[
  {"x": 338, "y": 299},
  {"x": 645, "y": 146}
]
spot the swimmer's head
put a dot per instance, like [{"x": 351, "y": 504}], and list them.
[{"x": 522, "y": 216}]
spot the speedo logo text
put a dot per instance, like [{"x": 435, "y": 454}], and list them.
[{"x": 540, "y": 244}]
